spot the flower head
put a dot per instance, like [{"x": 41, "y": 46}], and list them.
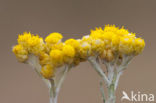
[
  {"x": 47, "y": 71},
  {"x": 139, "y": 45},
  {"x": 20, "y": 52},
  {"x": 23, "y": 38},
  {"x": 56, "y": 57},
  {"x": 32, "y": 43},
  {"x": 74, "y": 43},
  {"x": 85, "y": 50},
  {"x": 53, "y": 38},
  {"x": 97, "y": 46},
  {"x": 126, "y": 45},
  {"x": 69, "y": 53}
]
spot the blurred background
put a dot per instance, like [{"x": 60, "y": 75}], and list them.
[{"x": 74, "y": 18}]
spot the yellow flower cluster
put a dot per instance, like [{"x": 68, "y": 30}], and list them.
[
  {"x": 54, "y": 53},
  {"x": 117, "y": 41},
  {"x": 33, "y": 44}
]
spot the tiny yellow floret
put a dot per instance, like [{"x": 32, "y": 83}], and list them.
[
  {"x": 122, "y": 32},
  {"x": 23, "y": 38},
  {"x": 111, "y": 28}
]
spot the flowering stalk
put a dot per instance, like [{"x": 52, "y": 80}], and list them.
[
  {"x": 53, "y": 84},
  {"x": 97, "y": 67},
  {"x": 52, "y": 59},
  {"x": 34, "y": 62},
  {"x": 55, "y": 88},
  {"x": 112, "y": 77},
  {"x": 110, "y": 85},
  {"x": 118, "y": 47},
  {"x": 102, "y": 91}
]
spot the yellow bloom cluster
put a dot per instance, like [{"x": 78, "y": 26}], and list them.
[
  {"x": 117, "y": 41},
  {"x": 54, "y": 53},
  {"x": 33, "y": 44}
]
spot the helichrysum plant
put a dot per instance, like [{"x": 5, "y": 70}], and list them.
[{"x": 52, "y": 59}]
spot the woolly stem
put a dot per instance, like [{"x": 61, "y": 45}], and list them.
[
  {"x": 34, "y": 62},
  {"x": 102, "y": 92},
  {"x": 117, "y": 79},
  {"x": 98, "y": 69},
  {"x": 54, "y": 90},
  {"x": 111, "y": 94}
]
